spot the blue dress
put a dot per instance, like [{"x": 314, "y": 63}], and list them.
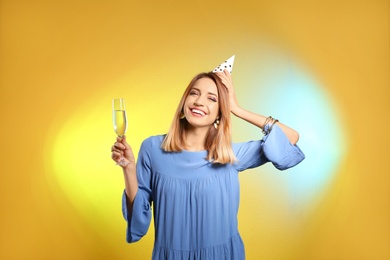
[{"x": 195, "y": 202}]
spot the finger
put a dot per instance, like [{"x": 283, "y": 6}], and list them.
[
  {"x": 225, "y": 76},
  {"x": 225, "y": 73},
  {"x": 124, "y": 142},
  {"x": 220, "y": 74},
  {"x": 227, "y": 79},
  {"x": 226, "y": 83},
  {"x": 116, "y": 156},
  {"x": 222, "y": 77},
  {"x": 116, "y": 150},
  {"x": 228, "y": 75},
  {"x": 119, "y": 145}
]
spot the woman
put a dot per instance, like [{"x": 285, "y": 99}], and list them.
[{"x": 190, "y": 175}]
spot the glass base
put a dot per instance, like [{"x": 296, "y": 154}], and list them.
[{"x": 122, "y": 162}]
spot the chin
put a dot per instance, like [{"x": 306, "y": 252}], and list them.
[{"x": 197, "y": 125}]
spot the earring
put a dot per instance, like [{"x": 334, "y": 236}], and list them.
[
  {"x": 216, "y": 123},
  {"x": 182, "y": 116}
]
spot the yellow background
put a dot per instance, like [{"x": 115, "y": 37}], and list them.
[{"x": 61, "y": 63}]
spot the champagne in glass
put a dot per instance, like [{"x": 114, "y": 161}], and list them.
[{"x": 119, "y": 120}]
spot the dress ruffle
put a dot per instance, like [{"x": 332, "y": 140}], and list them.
[{"x": 231, "y": 250}]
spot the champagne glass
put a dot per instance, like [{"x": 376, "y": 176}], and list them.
[{"x": 119, "y": 120}]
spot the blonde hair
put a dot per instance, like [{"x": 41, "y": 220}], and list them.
[{"x": 218, "y": 141}]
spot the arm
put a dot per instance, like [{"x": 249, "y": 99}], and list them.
[
  {"x": 136, "y": 200},
  {"x": 258, "y": 120},
  {"x": 122, "y": 149},
  {"x": 255, "y": 119}
]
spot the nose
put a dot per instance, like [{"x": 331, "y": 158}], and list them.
[
  {"x": 199, "y": 101},
  {"x": 196, "y": 103}
]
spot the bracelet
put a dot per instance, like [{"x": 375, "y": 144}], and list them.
[
  {"x": 267, "y": 120},
  {"x": 274, "y": 122}
]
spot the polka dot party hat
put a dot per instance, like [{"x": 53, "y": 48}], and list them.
[{"x": 227, "y": 64}]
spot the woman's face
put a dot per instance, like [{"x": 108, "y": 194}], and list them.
[{"x": 201, "y": 106}]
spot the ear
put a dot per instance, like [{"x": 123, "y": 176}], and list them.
[{"x": 182, "y": 116}]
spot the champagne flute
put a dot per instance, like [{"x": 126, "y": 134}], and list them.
[{"x": 119, "y": 121}]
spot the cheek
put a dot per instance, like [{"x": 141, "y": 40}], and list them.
[
  {"x": 215, "y": 109},
  {"x": 186, "y": 102}
]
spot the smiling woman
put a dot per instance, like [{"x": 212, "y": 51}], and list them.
[{"x": 194, "y": 189}]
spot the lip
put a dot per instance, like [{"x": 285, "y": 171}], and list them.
[{"x": 197, "y": 114}]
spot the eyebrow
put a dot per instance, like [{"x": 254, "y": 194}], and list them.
[{"x": 211, "y": 93}]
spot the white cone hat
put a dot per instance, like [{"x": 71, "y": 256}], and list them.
[{"x": 228, "y": 64}]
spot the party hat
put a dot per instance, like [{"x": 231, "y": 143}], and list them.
[{"x": 227, "y": 64}]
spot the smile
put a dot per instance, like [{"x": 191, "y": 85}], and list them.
[{"x": 198, "y": 112}]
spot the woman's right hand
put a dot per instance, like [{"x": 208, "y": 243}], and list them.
[
  {"x": 121, "y": 150},
  {"x": 227, "y": 81}
]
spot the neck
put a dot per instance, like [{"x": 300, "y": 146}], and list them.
[{"x": 195, "y": 138}]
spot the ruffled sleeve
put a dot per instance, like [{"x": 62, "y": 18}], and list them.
[
  {"x": 249, "y": 155},
  {"x": 138, "y": 221},
  {"x": 274, "y": 147},
  {"x": 278, "y": 150}
]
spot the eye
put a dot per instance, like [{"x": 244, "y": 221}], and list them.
[
  {"x": 213, "y": 99},
  {"x": 193, "y": 93}
]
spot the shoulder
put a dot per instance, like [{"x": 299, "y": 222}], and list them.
[
  {"x": 152, "y": 142},
  {"x": 254, "y": 144},
  {"x": 249, "y": 154}
]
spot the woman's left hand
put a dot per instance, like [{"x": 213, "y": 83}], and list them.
[{"x": 227, "y": 81}]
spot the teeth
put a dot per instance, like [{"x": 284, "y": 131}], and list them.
[{"x": 198, "y": 112}]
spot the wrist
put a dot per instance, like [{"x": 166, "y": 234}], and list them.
[
  {"x": 129, "y": 168},
  {"x": 235, "y": 110}
]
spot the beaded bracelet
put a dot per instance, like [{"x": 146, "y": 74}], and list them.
[
  {"x": 274, "y": 122},
  {"x": 269, "y": 120}
]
